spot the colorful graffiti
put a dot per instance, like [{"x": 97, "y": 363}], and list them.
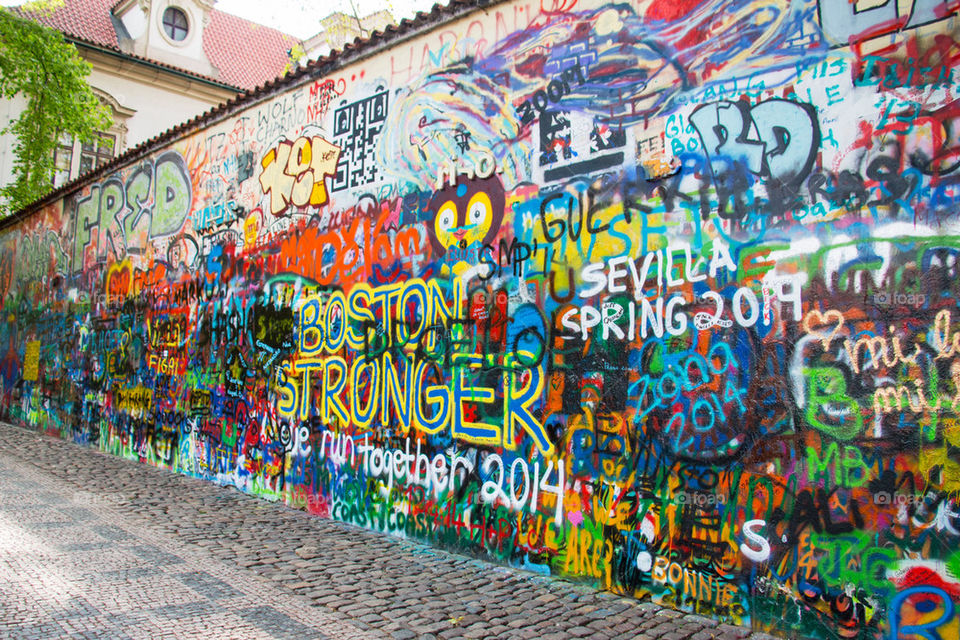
[{"x": 659, "y": 295}]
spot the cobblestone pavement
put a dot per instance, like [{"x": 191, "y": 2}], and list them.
[{"x": 93, "y": 546}]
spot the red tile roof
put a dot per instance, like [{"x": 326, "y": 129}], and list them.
[
  {"x": 247, "y": 54},
  {"x": 87, "y": 19}
]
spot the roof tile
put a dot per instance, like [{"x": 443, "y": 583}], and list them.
[
  {"x": 246, "y": 53},
  {"x": 86, "y": 19}
]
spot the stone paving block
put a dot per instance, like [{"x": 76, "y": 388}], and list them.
[
  {"x": 84, "y": 546},
  {"x": 154, "y": 555},
  {"x": 579, "y": 632},
  {"x": 475, "y": 630},
  {"x": 206, "y": 585},
  {"x": 50, "y": 524},
  {"x": 132, "y": 573},
  {"x": 658, "y": 630},
  {"x": 646, "y": 608},
  {"x": 598, "y": 625},
  {"x": 183, "y": 610},
  {"x": 730, "y": 631},
  {"x": 703, "y": 621},
  {"x": 110, "y": 533},
  {"x": 278, "y": 624}
]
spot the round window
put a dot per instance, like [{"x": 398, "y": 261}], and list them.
[{"x": 175, "y": 23}]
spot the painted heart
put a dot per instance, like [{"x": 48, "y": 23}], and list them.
[
  {"x": 824, "y": 326},
  {"x": 118, "y": 281}
]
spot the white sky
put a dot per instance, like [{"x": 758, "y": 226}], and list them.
[{"x": 301, "y": 18}]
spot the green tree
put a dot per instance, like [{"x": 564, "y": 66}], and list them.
[{"x": 37, "y": 63}]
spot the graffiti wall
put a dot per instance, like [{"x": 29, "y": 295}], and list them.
[{"x": 658, "y": 295}]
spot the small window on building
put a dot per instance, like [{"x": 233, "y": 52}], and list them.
[
  {"x": 175, "y": 23},
  {"x": 63, "y": 161},
  {"x": 73, "y": 158},
  {"x": 98, "y": 152}
]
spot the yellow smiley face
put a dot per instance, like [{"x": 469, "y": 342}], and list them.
[
  {"x": 453, "y": 229},
  {"x": 466, "y": 214}
]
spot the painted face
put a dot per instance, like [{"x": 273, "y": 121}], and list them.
[
  {"x": 451, "y": 228},
  {"x": 467, "y": 213}
]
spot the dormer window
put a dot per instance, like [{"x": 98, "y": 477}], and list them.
[{"x": 175, "y": 24}]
